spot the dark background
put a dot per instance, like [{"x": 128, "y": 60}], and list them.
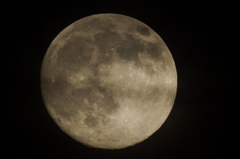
[{"x": 202, "y": 123}]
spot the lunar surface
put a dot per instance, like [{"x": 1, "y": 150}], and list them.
[{"x": 108, "y": 81}]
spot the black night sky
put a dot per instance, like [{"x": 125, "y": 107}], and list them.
[{"x": 202, "y": 123}]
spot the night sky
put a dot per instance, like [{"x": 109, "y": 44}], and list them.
[{"x": 202, "y": 123}]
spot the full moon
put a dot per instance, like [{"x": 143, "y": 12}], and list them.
[{"x": 108, "y": 81}]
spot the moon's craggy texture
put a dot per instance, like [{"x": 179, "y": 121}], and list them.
[{"x": 109, "y": 81}]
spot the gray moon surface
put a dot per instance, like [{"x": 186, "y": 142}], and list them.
[{"x": 108, "y": 81}]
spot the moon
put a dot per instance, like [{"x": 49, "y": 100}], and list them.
[{"x": 108, "y": 81}]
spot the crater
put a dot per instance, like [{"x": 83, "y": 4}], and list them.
[
  {"x": 143, "y": 30},
  {"x": 59, "y": 120},
  {"x": 154, "y": 50}
]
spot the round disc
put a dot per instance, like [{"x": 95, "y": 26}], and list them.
[{"x": 108, "y": 81}]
